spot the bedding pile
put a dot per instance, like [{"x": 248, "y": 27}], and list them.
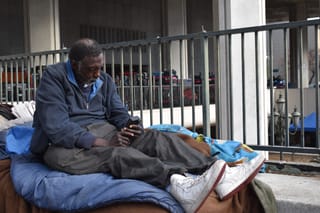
[
  {"x": 16, "y": 114},
  {"x": 44, "y": 190},
  {"x": 59, "y": 191}
]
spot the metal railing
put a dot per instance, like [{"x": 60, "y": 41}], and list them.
[{"x": 134, "y": 65}]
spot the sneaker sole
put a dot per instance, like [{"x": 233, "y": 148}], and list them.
[
  {"x": 247, "y": 181},
  {"x": 213, "y": 186}
]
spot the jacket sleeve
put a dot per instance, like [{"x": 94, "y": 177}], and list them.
[
  {"x": 52, "y": 113},
  {"x": 117, "y": 113}
]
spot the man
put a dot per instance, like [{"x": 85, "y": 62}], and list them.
[{"x": 81, "y": 127}]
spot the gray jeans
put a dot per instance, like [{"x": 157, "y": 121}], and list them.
[{"x": 152, "y": 157}]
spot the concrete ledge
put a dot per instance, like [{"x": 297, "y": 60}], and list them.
[
  {"x": 294, "y": 194},
  {"x": 293, "y": 168}
]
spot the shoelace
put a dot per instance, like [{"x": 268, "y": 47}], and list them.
[{"x": 191, "y": 180}]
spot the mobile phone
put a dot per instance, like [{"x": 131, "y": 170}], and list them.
[{"x": 135, "y": 120}]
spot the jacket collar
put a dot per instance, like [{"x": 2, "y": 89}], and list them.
[{"x": 72, "y": 79}]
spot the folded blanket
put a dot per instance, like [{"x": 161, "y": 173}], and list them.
[
  {"x": 3, "y": 153},
  {"x": 10, "y": 201},
  {"x": 59, "y": 191}
]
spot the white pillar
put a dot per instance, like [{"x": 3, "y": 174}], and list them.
[
  {"x": 177, "y": 25},
  {"x": 301, "y": 12},
  {"x": 42, "y": 25},
  {"x": 230, "y": 14}
]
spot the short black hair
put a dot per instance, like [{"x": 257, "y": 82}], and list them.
[{"x": 84, "y": 47}]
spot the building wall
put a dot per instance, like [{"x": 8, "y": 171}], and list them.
[
  {"x": 199, "y": 13},
  {"x": 12, "y": 30},
  {"x": 110, "y": 21}
]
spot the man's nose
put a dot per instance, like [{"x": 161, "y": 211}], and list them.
[{"x": 96, "y": 74}]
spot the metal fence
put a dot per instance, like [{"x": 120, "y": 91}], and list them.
[{"x": 157, "y": 80}]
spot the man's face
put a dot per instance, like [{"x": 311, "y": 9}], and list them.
[{"x": 87, "y": 70}]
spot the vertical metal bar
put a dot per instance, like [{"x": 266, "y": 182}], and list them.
[
  {"x": 171, "y": 99},
  {"x": 316, "y": 55},
  {"x": 30, "y": 85},
  {"x": 31, "y": 78},
  {"x": 33, "y": 67},
  {"x": 160, "y": 90},
  {"x": 301, "y": 84},
  {"x": 46, "y": 60},
  {"x": 54, "y": 58},
  {"x": 112, "y": 66},
  {"x": 217, "y": 92},
  {"x": 11, "y": 81},
  {"x": 39, "y": 67},
  {"x": 230, "y": 86},
  {"x": 23, "y": 90},
  {"x": 193, "y": 85},
  {"x": 6, "y": 80},
  {"x": 181, "y": 81},
  {"x": 122, "y": 75},
  {"x": 16, "y": 81},
  {"x": 65, "y": 55},
  {"x": 104, "y": 52},
  {"x": 132, "y": 96},
  {"x": 142, "y": 86},
  {"x": 150, "y": 85},
  {"x": 285, "y": 43},
  {"x": 170, "y": 68},
  {"x": 256, "y": 49},
  {"x": 271, "y": 88},
  {"x": 243, "y": 69},
  {"x": 206, "y": 99},
  {"x": 61, "y": 55}
]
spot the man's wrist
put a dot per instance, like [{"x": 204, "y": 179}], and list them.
[
  {"x": 86, "y": 141},
  {"x": 100, "y": 142}
]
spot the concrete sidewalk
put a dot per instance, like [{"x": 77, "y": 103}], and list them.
[{"x": 294, "y": 194}]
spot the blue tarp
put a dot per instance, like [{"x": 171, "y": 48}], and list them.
[{"x": 309, "y": 123}]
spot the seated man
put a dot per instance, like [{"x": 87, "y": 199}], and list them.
[{"x": 80, "y": 126}]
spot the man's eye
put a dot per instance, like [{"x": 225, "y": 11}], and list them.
[{"x": 93, "y": 69}]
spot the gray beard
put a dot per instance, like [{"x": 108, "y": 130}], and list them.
[{"x": 87, "y": 84}]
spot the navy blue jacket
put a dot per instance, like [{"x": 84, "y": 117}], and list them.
[{"x": 62, "y": 112}]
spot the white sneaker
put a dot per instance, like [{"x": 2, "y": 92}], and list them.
[
  {"x": 191, "y": 192},
  {"x": 235, "y": 178}
]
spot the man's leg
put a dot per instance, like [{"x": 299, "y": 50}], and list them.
[
  {"x": 172, "y": 150},
  {"x": 121, "y": 162},
  {"x": 236, "y": 177},
  {"x": 126, "y": 162},
  {"x": 191, "y": 192}
]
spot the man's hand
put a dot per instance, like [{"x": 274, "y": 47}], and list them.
[
  {"x": 122, "y": 138},
  {"x": 135, "y": 129}
]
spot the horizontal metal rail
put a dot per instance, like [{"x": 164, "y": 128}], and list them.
[{"x": 157, "y": 79}]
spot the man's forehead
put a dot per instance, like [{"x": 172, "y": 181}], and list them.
[{"x": 92, "y": 59}]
